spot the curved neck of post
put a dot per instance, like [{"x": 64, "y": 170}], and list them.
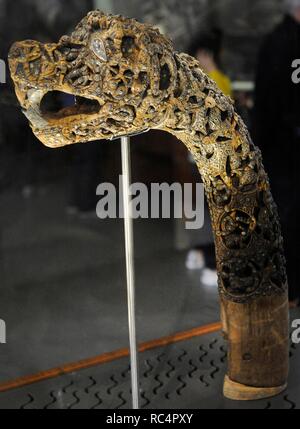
[{"x": 245, "y": 222}]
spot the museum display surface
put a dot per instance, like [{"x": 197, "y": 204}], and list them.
[{"x": 126, "y": 79}]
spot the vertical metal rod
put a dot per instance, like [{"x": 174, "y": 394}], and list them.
[{"x": 129, "y": 247}]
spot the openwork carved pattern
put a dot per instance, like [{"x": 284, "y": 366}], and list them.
[{"x": 126, "y": 78}]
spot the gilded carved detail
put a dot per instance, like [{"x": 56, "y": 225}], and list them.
[{"x": 126, "y": 78}]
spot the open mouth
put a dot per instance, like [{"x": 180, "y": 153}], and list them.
[{"x": 59, "y": 105}]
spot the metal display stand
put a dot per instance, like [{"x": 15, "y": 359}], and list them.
[{"x": 129, "y": 251}]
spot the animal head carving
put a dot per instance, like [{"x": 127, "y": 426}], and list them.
[
  {"x": 113, "y": 76},
  {"x": 106, "y": 79}
]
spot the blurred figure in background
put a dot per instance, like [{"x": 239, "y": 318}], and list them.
[
  {"x": 207, "y": 50},
  {"x": 277, "y": 130}
]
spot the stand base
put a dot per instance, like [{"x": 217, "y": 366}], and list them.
[{"x": 241, "y": 392}]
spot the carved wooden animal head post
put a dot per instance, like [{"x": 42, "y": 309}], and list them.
[{"x": 126, "y": 78}]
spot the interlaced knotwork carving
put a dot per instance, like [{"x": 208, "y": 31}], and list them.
[{"x": 126, "y": 78}]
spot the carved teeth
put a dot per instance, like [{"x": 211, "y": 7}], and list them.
[
  {"x": 34, "y": 116},
  {"x": 35, "y": 96}
]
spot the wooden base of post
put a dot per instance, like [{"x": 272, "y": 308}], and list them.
[
  {"x": 258, "y": 347},
  {"x": 241, "y": 392}
]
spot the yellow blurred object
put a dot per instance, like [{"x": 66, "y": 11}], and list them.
[{"x": 222, "y": 81}]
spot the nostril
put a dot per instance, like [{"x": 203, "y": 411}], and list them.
[
  {"x": 19, "y": 70},
  {"x": 35, "y": 67}
]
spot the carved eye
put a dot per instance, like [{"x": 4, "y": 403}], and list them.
[{"x": 97, "y": 46}]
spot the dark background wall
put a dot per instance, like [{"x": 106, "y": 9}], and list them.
[{"x": 243, "y": 22}]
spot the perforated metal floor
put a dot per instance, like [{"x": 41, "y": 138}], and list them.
[{"x": 187, "y": 374}]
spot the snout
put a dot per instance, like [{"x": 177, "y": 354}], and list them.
[
  {"x": 32, "y": 62},
  {"x": 22, "y": 50},
  {"x": 25, "y": 60}
]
